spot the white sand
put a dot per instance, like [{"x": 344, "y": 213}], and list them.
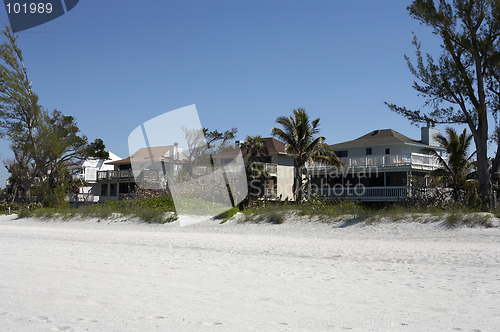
[{"x": 130, "y": 276}]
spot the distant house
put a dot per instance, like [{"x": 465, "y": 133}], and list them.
[
  {"x": 147, "y": 164},
  {"x": 87, "y": 173},
  {"x": 278, "y": 165},
  {"x": 382, "y": 165}
]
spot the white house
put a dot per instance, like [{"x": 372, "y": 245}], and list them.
[
  {"x": 87, "y": 173},
  {"x": 382, "y": 165}
]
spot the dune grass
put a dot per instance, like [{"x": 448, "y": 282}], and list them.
[
  {"x": 162, "y": 210},
  {"x": 452, "y": 216},
  {"x": 153, "y": 210}
]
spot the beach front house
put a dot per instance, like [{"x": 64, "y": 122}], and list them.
[
  {"x": 86, "y": 173},
  {"x": 382, "y": 165},
  {"x": 147, "y": 164},
  {"x": 277, "y": 165}
]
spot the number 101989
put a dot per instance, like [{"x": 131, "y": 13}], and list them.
[{"x": 32, "y": 8}]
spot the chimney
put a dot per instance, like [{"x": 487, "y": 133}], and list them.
[
  {"x": 429, "y": 132},
  {"x": 175, "y": 151}
]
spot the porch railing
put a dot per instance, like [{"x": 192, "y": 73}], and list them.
[
  {"x": 416, "y": 160},
  {"x": 367, "y": 193},
  {"x": 128, "y": 174}
]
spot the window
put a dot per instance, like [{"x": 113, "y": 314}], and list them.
[
  {"x": 395, "y": 179},
  {"x": 113, "y": 189},
  {"x": 387, "y": 151},
  {"x": 104, "y": 189},
  {"x": 126, "y": 188},
  {"x": 368, "y": 151},
  {"x": 341, "y": 154}
]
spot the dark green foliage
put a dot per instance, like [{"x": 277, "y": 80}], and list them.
[
  {"x": 16, "y": 207},
  {"x": 254, "y": 148},
  {"x": 456, "y": 172}
]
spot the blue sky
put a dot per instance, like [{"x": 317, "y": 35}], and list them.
[{"x": 114, "y": 64}]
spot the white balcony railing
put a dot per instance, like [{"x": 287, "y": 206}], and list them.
[
  {"x": 414, "y": 160},
  {"x": 366, "y": 193},
  {"x": 90, "y": 175}
]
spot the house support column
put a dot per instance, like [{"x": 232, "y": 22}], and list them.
[
  {"x": 308, "y": 178},
  {"x": 408, "y": 182}
]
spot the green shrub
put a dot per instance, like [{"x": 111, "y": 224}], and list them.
[
  {"x": 163, "y": 202},
  {"x": 16, "y": 207}
]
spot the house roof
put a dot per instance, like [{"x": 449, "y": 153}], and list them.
[
  {"x": 273, "y": 146},
  {"x": 378, "y": 137},
  {"x": 92, "y": 162},
  {"x": 156, "y": 153}
]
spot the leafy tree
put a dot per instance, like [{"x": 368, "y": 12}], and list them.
[
  {"x": 462, "y": 85},
  {"x": 19, "y": 174},
  {"x": 61, "y": 145},
  {"x": 456, "y": 172},
  {"x": 299, "y": 134},
  {"x": 218, "y": 141},
  {"x": 20, "y": 113},
  {"x": 43, "y": 143}
]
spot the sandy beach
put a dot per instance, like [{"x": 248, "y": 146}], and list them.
[{"x": 132, "y": 276}]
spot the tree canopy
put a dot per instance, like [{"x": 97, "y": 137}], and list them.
[
  {"x": 463, "y": 84},
  {"x": 44, "y": 143}
]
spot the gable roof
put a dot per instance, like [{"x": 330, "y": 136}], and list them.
[
  {"x": 158, "y": 153},
  {"x": 378, "y": 137}
]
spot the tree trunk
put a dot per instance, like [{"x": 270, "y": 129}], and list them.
[
  {"x": 297, "y": 183},
  {"x": 483, "y": 168}
]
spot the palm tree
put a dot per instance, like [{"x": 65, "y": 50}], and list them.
[
  {"x": 456, "y": 171},
  {"x": 255, "y": 148},
  {"x": 299, "y": 134}
]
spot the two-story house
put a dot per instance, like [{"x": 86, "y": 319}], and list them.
[
  {"x": 146, "y": 166},
  {"x": 277, "y": 165},
  {"x": 382, "y": 165},
  {"x": 86, "y": 173}
]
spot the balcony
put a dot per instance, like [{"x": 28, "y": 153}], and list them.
[
  {"x": 411, "y": 160},
  {"x": 128, "y": 175},
  {"x": 267, "y": 168},
  {"x": 270, "y": 169},
  {"x": 89, "y": 175}
]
